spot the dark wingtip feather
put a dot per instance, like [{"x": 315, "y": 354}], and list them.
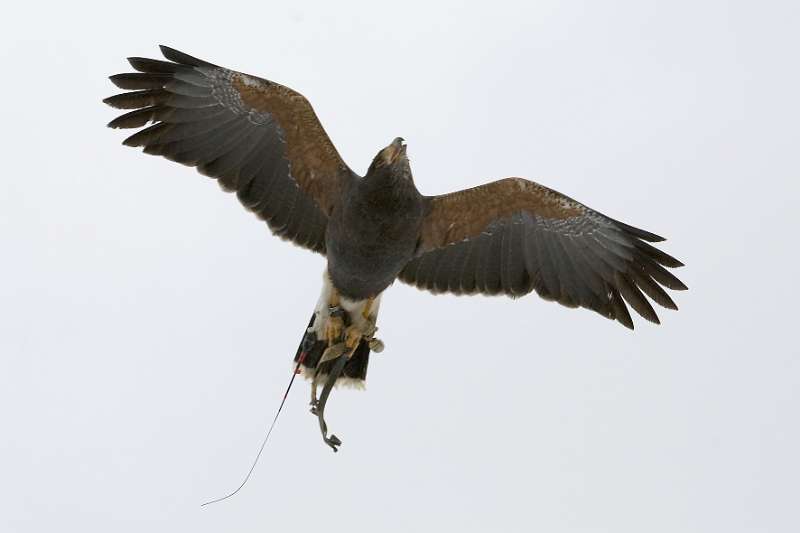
[
  {"x": 147, "y": 136},
  {"x": 137, "y": 99},
  {"x": 139, "y": 80},
  {"x": 658, "y": 255},
  {"x": 112, "y": 99},
  {"x": 183, "y": 59},
  {"x": 674, "y": 283},
  {"x": 653, "y": 290},
  {"x": 620, "y": 310},
  {"x": 143, "y": 64},
  {"x": 638, "y": 232},
  {"x": 631, "y": 293},
  {"x": 135, "y": 119},
  {"x": 660, "y": 274}
]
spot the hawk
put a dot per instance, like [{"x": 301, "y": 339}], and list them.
[{"x": 263, "y": 141}]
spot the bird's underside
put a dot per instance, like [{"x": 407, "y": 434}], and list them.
[{"x": 263, "y": 141}]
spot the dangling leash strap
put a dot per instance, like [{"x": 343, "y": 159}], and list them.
[
  {"x": 342, "y": 355},
  {"x": 319, "y": 406}
]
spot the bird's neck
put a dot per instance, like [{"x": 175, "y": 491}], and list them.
[
  {"x": 388, "y": 193},
  {"x": 389, "y": 185}
]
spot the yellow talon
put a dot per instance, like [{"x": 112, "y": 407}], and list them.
[
  {"x": 367, "y": 308},
  {"x": 352, "y": 336},
  {"x": 333, "y": 329}
]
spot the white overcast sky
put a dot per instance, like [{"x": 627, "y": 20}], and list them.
[{"x": 147, "y": 319}]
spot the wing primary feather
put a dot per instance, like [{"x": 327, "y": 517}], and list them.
[
  {"x": 587, "y": 288},
  {"x": 659, "y": 256},
  {"x": 139, "y": 80},
  {"x": 232, "y": 146},
  {"x": 137, "y": 118},
  {"x": 635, "y": 298},
  {"x": 194, "y": 133},
  {"x": 640, "y": 233},
  {"x": 193, "y": 77},
  {"x": 176, "y": 142},
  {"x": 616, "y": 242},
  {"x": 182, "y": 58},
  {"x": 143, "y": 64},
  {"x": 147, "y": 136},
  {"x": 227, "y": 166},
  {"x": 605, "y": 253},
  {"x": 603, "y": 269},
  {"x": 137, "y": 99},
  {"x": 620, "y": 309},
  {"x": 217, "y": 144},
  {"x": 187, "y": 89},
  {"x": 652, "y": 289},
  {"x": 191, "y": 102},
  {"x": 587, "y": 267},
  {"x": 178, "y": 116},
  {"x": 660, "y": 274}
]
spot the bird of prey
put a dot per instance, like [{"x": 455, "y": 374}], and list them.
[{"x": 263, "y": 141}]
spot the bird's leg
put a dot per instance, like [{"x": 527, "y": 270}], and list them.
[
  {"x": 335, "y": 322},
  {"x": 354, "y": 333},
  {"x": 367, "y": 308},
  {"x": 352, "y": 336}
]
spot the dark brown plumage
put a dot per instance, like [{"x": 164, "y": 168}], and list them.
[
  {"x": 257, "y": 138},
  {"x": 264, "y": 141}
]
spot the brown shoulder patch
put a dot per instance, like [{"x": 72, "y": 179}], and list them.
[
  {"x": 463, "y": 214},
  {"x": 313, "y": 160}
]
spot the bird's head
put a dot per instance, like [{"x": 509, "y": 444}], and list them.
[{"x": 391, "y": 161}]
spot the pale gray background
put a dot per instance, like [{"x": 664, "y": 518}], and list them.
[{"x": 147, "y": 320}]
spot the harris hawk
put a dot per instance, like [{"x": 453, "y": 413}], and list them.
[{"x": 263, "y": 141}]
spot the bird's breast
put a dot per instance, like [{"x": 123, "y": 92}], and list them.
[{"x": 370, "y": 241}]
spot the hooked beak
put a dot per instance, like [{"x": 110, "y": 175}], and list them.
[{"x": 395, "y": 150}]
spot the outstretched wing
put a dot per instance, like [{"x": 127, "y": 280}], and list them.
[
  {"x": 256, "y": 137},
  {"x": 514, "y": 236}
]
